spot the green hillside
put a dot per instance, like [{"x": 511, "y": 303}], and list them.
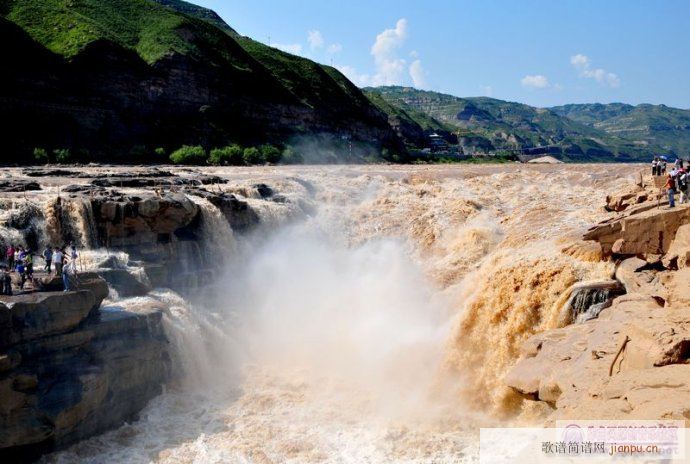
[
  {"x": 488, "y": 124},
  {"x": 646, "y": 125},
  {"x": 66, "y": 27},
  {"x": 411, "y": 125},
  {"x": 311, "y": 82},
  {"x": 198, "y": 82},
  {"x": 198, "y": 12}
]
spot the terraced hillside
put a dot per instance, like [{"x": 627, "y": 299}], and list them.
[
  {"x": 646, "y": 125},
  {"x": 488, "y": 124}
]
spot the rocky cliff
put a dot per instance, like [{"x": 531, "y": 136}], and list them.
[
  {"x": 632, "y": 360},
  {"x": 69, "y": 369},
  {"x": 122, "y": 78},
  {"x": 72, "y": 366}
]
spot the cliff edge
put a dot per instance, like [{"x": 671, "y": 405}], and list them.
[{"x": 630, "y": 362}]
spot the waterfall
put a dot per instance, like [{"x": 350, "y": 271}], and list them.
[
  {"x": 70, "y": 220},
  {"x": 588, "y": 299},
  {"x": 217, "y": 237}
]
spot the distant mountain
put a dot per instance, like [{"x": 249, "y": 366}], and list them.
[
  {"x": 488, "y": 124},
  {"x": 114, "y": 80},
  {"x": 411, "y": 125},
  {"x": 659, "y": 126}
]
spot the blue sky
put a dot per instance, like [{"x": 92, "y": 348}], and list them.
[{"x": 540, "y": 52}]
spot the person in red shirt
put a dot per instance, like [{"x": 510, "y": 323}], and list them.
[{"x": 10, "y": 257}]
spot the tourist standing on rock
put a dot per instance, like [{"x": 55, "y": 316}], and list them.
[
  {"x": 69, "y": 272},
  {"x": 29, "y": 264},
  {"x": 58, "y": 258},
  {"x": 655, "y": 165},
  {"x": 10, "y": 258},
  {"x": 21, "y": 270},
  {"x": 48, "y": 258},
  {"x": 671, "y": 190},
  {"x": 683, "y": 185},
  {"x": 6, "y": 281},
  {"x": 663, "y": 167}
]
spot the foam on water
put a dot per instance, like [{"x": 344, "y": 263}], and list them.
[{"x": 376, "y": 328}]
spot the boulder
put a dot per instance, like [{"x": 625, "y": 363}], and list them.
[
  {"x": 31, "y": 316},
  {"x": 643, "y": 233},
  {"x": 569, "y": 367},
  {"x": 59, "y": 388},
  {"x": 18, "y": 185},
  {"x": 679, "y": 251},
  {"x": 631, "y": 274},
  {"x": 124, "y": 282}
]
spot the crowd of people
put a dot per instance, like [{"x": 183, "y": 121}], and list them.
[
  {"x": 676, "y": 179},
  {"x": 60, "y": 261}
]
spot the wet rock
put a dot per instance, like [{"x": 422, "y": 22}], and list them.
[
  {"x": 75, "y": 188},
  {"x": 125, "y": 182},
  {"x": 588, "y": 299},
  {"x": 264, "y": 190},
  {"x": 71, "y": 381},
  {"x": 124, "y": 282},
  {"x": 31, "y": 316},
  {"x": 18, "y": 185},
  {"x": 238, "y": 213},
  {"x": 142, "y": 220},
  {"x": 34, "y": 172},
  {"x": 210, "y": 180}
]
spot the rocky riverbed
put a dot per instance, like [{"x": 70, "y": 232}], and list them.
[
  {"x": 632, "y": 361},
  {"x": 314, "y": 313}
]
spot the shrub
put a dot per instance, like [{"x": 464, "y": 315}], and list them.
[
  {"x": 138, "y": 153},
  {"x": 40, "y": 155},
  {"x": 290, "y": 156},
  {"x": 270, "y": 153},
  {"x": 62, "y": 155},
  {"x": 232, "y": 154},
  {"x": 160, "y": 151},
  {"x": 252, "y": 155},
  {"x": 189, "y": 155}
]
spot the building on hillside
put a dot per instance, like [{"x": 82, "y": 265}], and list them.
[{"x": 437, "y": 143}]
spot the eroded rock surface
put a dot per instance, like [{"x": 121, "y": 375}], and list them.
[
  {"x": 634, "y": 360},
  {"x": 69, "y": 370}
]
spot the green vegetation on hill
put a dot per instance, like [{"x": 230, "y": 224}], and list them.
[
  {"x": 660, "y": 126},
  {"x": 411, "y": 125},
  {"x": 312, "y": 83},
  {"x": 66, "y": 27},
  {"x": 489, "y": 125},
  {"x": 204, "y": 84},
  {"x": 198, "y": 12}
]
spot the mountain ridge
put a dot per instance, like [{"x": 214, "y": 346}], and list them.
[
  {"x": 113, "y": 80},
  {"x": 489, "y": 124}
]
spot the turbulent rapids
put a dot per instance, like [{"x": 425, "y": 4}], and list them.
[{"x": 370, "y": 316}]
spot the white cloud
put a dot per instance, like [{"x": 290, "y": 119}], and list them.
[
  {"x": 361, "y": 80},
  {"x": 583, "y": 64},
  {"x": 536, "y": 81},
  {"x": 417, "y": 74},
  {"x": 487, "y": 90},
  {"x": 315, "y": 39},
  {"x": 389, "y": 68},
  {"x": 295, "y": 49},
  {"x": 334, "y": 48}
]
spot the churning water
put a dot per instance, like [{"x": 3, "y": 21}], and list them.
[{"x": 371, "y": 324}]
